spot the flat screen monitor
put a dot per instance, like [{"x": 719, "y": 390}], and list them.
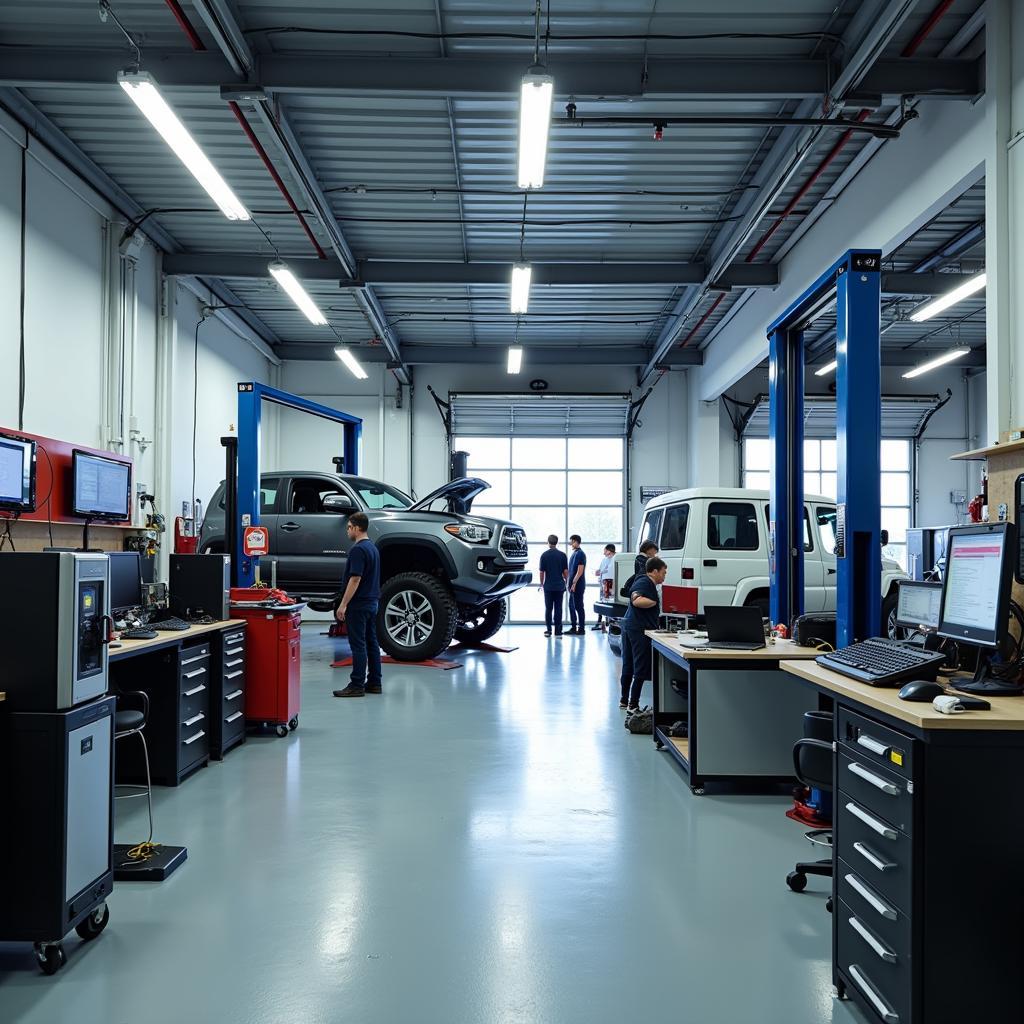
[
  {"x": 918, "y": 605},
  {"x": 100, "y": 487},
  {"x": 125, "y": 580},
  {"x": 17, "y": 474},
  {"x": 976, "y": 586}
]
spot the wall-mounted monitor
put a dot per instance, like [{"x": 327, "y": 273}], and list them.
[
  {"x": 17, "y": 474},
  {"x": 100, "y": 487}
]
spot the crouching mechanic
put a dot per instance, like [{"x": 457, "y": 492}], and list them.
[
  {"x": 358, "y": 609},
  {"x": 642, "y": 614}
]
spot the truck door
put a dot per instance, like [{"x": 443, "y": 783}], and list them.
[{"x": 312, "y": 544}]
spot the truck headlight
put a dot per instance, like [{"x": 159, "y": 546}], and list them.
[{"x": 469, "y": 532}]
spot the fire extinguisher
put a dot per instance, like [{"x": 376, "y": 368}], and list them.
[{"x": 184, "y": 542}]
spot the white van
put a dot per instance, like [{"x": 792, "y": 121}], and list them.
[{"x": 716, "y": 539}]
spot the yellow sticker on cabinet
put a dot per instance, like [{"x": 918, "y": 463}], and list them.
[{"x": 896, "y": 757}]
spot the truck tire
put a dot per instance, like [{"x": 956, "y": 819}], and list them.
[
  {"x": 416, "y": 618},
  {"x": 889, "y": 627},
  {"x": 484, "y": 624}
]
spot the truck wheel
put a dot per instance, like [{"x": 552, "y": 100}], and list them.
[
  {"x": 889, "y": 627},
  {"x": 484, "y": 624},
  {"x": 416, "y": 618}
]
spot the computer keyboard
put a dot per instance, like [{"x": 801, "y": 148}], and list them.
[
  {"x": 883, "y": 662},
  {"x": 171, "y": 624},
  {"x": 144, "y": 633}
]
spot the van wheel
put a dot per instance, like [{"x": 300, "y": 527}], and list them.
[
  {"x": 889, "y": 627},
  {"x": 763, "y": 603}
]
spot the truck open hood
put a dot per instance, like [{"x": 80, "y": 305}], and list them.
[{"x": 459, "y": 494}]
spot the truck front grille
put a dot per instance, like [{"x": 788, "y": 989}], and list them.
[{"x": 513, "y": 543}]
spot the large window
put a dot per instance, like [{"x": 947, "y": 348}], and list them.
[
  {"x": 820, "y": 478},
  {"x": 551, "y": 485}
]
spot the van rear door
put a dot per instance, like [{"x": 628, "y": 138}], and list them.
[{"x": 734, "y": 548}]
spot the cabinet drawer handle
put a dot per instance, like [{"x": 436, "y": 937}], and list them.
[
  {"x": 194, "y": 690},
  {"x": 883, "y": 908},
  {"x": 880, "y": 948},
  {"x": 872, "y": 858},
  {"x": 881, "y": 1007},
  {"x": 234, "y": 695},
  {"x": 198, "y": 657},
  {"x": 232, "y": 664},
  {"x": 194, "y": 719},
  {"x": 876, "y": 780},
  {"x": 233, "y": 675},
  {"x": 875, "y": 746},
  {"x": 873, "y": 823},
  {"x": 192, "y": 739},
  {"x": 234, "y": 717},
  {"x": 195, "y": 672}
]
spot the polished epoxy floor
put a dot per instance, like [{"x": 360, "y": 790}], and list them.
[{"x": 486, "y": 845}]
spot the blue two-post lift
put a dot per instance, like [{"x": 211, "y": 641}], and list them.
[
  {"x": 251, "y": 396},
  {"x": 854, "y": 284}
]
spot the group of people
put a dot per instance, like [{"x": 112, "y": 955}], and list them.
[{"x": 560, "y": 574}]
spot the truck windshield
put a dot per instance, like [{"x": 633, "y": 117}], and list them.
[{"x": 373, "y": 494}]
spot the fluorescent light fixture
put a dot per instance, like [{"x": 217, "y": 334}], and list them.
[
  {"x": 290, "y": 283},
  {"x": 826, "y": 369},
  {"x": 146, "y": 96},
  {"x": 520, "y": 293},
  {"x": 515, "y": 358},
  {"x": 534, "y": 121},
  {"x": 345, "y": 355},
  {"x": 951, "y": 298},
  {"x": 946, "y": 357}
]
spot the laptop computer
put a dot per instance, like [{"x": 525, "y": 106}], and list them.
[{"x": 734, "y": 628}]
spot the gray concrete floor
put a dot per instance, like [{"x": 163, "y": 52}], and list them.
[{"x": 482, "y": 845}]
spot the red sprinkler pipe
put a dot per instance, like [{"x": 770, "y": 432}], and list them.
[
  {"x": 186, "y": 26},
  {"x": 926, "y": 29},
  {"x": 702, "y": 321}
]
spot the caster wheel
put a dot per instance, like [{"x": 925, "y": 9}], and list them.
[
  {"x": 828, "y": 904},
  {"x": 699, "y": 791},
  {"x": 294, "y": 723},
  {"x": 50, "y": 957},
  {"x": 797, "y": 881},
  {"x": 282, "y": 730},
  {"x": 94, "y": 923},
  {"x": 839, "y": 991}
]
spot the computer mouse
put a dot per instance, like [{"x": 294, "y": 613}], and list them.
[{"x": 922, "y": 690}]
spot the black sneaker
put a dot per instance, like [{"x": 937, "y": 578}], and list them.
[
  {"x": 632, "y": 709},
  {"x": 623, "y": 705},
  {"x": 547, "y": 632},
  {"x": 559, "y": 634},
  {"x": 373, "y": 688},
  {"x": 594, "y": 629},
  {"x": 350, "y": 691}
]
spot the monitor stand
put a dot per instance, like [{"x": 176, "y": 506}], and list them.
[
  {"x": 85, "y": 536},
  {"x": 986, "y": 685}
]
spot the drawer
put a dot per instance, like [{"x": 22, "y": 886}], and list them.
[
  {"x": 881, "y": 975},
  {"x": 234, "y": 666},
  {"x": 192, "y": 721},
  {"x": 234, "y": 700},
  {"x": 232, "y": 724},
  {"x": 194, "y": 703},
  {"x": 193, "y": 743},
  {"x": 875, "y": 742},
  {"x": 881, "y": 855},
  {"x": 875, "y": 789},
  {"x": 233, "y": 638},
  {"x": 191, "y": 655},
  {"x": 193, "y": 676},
  {"x": 890, "y": 923}
]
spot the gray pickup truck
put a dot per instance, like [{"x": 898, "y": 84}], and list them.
[{"x": 445, "y": 573}]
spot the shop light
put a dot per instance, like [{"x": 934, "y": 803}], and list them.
[
  {"x": 143, "y": 90},
  {"x": 515, "y": 358},
  {"x": 946, "y": 357},
  {"x": 826, "y": 369},
  {"x": 345, "y": 355},
  {"x": 534, "y": 123},
  {"x": 520, "y": 292},
  {"x": 290, "y": 283},
  {"x": 951, "y": 298}
]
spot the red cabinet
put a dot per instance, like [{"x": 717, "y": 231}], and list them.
[{"x": 273, "y": 658}]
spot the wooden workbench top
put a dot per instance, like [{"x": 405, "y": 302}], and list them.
[
  {"x": 169, "y": 637},
  {"x": 773, "y": 652},
  {"x": 1007, "y": 712}
]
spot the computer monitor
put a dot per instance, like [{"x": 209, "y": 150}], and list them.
[
  {"x": 17, "y": 474},
  {"x": 976, "y": 586},
  {"x": 125, "y": 581},
  {"x": 918, "y": 605},
  {"x": 100, "y": 487}
]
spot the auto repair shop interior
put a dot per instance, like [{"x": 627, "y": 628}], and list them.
[{"x": 667, "y": 352}]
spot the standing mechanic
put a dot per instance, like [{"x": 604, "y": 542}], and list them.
[
  {"x": 577, "y": 585},
  {"x": 358, "y": 608},
  {"x": 642, "y": 614}
]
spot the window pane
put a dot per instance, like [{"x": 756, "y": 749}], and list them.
[
  {"x": 732, "y": 525},
  {"x": 757, "y": 454},
  {"x": 595, "y": 453},
  {"x": 650, "y": 529},
  {"x": 828, "y": 485},
  {"x": 484, "y": 452},
  {"x": 898, "y": 553},
  {"x": 596, "y": 525},
  {"x": 673, "y": 536},
  {"x": 812, "y": 483},
  {"x": 595, "y": 488},
  {"x": 527, "y": 605},
  {"x": 540, "y": 522},
  {"x": 538, "y": 488},
  {"x": 812, "y": 455},
  {"x": 896, "y": 521},
  {"x": 538, "y": 453},
  {"x": 268, "y": 495},
  {"x": 827, "y": 528},
  {"x": 896, "y": 455},
  {"x": 499, "y": 491},
  {"x": 808, "y": 540},
  {"x": 895, "y": 489},
  {"x": 757, "y": 481},
  {"x": 828, "y": 455}
]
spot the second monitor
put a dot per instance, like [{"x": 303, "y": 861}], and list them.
[{"x": 918, "y": 605}]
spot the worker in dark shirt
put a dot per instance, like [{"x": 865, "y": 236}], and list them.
[
  {"x": 577, "y": 585},
  {"x": 358, "y": 609},
  {"x": 643, "y": 614},
  {"x": 647, "y": 550},
  {"x": 554, "y": 571}
]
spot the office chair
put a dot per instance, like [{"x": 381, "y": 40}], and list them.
[
  {"x": 812, "y": 761},
  {"x": 131, "y": 722}
]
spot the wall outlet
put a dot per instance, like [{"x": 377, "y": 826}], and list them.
[{"x": 957, "y": 497}]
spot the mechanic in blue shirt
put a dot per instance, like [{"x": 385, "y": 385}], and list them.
[
  {"x": 643, "y": 614},
  {"x": 554, "y": 570},
  {"x": 577, "y": 585},
  {"x": 358, "y": 609}
]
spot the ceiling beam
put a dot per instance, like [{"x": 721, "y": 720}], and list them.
[
  {"x": 496, "y": 76},
  {"x": 921, "y": 284},
  {"x": 487, "y": 355}
]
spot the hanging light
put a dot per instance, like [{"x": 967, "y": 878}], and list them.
[
  {"x": 826, "y": 369},
  {"x": 946, "y": 357},
  {"x": 344, "y": 353},
  {"x": 290, "y": 283},
  {"x": 969, "y": 287},
  {"x": 519, "y": 295},
  {"x": 515, "y": 358},
  {"x": 535, "y": 97}
]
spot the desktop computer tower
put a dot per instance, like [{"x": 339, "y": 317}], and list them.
[
  {"x": 200, "y": 585},
  {"x": 54, "y": 614},
  {"x": 58, "y": 808}
]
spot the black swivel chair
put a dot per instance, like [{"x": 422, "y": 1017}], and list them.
[
  {"x": 129, "y": 721},
  {"x": 812, "y": 760}
]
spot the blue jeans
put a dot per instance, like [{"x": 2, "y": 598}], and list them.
[
  {"x": 577, "y": 611},
  {"x": 553, "y": 608},
  {"x": 362, "y": 637}
]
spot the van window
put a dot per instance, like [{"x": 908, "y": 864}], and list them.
[
  {"x": 808, "y": 536},
  {"x": 651, "y": 527},
  {"x": 826, "y": 516},
  {"x": 732, "y": 526},
  {"x": 673, "y": 533}
]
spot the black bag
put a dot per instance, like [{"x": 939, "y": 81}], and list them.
[
  {"x": 624, "y": 592},
  {"x": 641, "y": 721}
]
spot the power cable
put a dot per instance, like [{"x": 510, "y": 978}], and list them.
[
  {"x": 195, "y": 405},
  {"x": 21, "y": 288}
]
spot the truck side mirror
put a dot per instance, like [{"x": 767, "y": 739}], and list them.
[
  {"x": 339, "y": 504},
  {"x": 884, "y": 535}
]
